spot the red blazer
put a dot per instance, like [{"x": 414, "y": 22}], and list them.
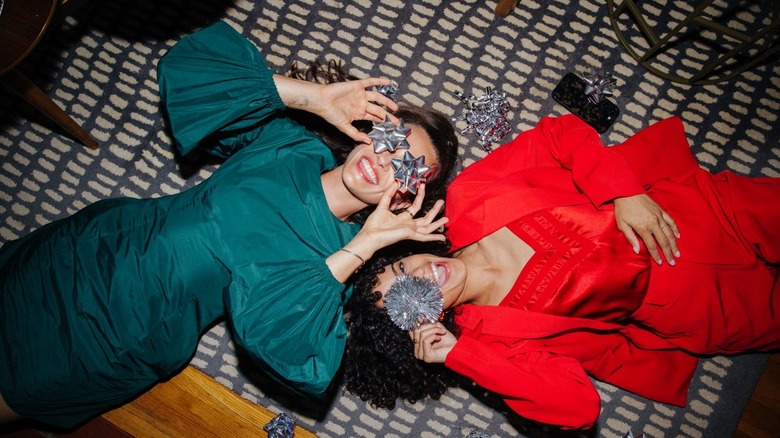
[
  {"x": 561, "y": 162},
  {"x": 538, "y": 362}
]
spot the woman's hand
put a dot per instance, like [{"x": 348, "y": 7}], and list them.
[
  {"x": 340, "y": 103},
  {"x": 432, "y": 342},
  {"x": 384, "y": 227},
  {"x": 344, "y": 102},
  {"x": 641, "y": 215}
]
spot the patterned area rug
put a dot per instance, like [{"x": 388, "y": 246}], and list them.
[{"x": 99, "y": 65}]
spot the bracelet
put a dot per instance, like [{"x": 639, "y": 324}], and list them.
[{"x": 362, "y": 260}]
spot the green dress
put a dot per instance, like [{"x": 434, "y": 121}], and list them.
[{"x": 98, "y": 307}]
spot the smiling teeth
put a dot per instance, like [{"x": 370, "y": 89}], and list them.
[
  {"x": 437, "y": 273},
  {"x": 368, "y": 170}
]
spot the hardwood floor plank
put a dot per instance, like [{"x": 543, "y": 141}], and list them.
[
  {"x": 761, "y": 418},
  {"x": 193, "y": 404}
]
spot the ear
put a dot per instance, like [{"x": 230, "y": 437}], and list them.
[{"x": 399, "y": 202}]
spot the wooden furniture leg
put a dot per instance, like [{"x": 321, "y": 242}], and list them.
[
  {"x": 22, "y": 86},
  {"x": 505, "y": 7}
]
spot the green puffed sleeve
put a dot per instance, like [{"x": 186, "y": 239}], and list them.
[
  {"x": 215, "y": 84},
  {"x": 289, "y": 317}
]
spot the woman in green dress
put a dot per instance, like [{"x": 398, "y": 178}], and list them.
[{"x": 98, "y": 307}]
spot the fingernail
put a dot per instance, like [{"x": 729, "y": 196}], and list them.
[
  {"x": 677, "y": 253},
  {"x": 659, "y": 261},
  {"x": 636, "y": 250},
  {"x": 672, "y": 262}
]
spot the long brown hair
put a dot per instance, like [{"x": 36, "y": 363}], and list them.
[{"x": 436, "y": 125}]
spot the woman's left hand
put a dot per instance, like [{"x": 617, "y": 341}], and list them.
[
  {"x": 640, "y": 215},
  {"x": 384, "y": 227}
]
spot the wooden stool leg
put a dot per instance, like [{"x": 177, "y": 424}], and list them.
[
  {"x": 21, "y": 85},
  {"x": 505, "y": 7}
]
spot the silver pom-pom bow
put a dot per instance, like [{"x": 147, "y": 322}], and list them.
[
  {"x": 410, "y": 171},
  {"x": 413, "y": 301},
  {"x": 388, "y": 90},
  {"x": 486, "y": 116},
  {"x": 388, "y": 136},
  {"x": 599, "y": 84},
  {"x": 631, "y": 435},
  {"x": 282, "y": 426}
]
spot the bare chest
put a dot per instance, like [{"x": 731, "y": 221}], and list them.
[{"x": 507, "y": 255}]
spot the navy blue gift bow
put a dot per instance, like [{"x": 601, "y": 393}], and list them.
[{"x": 282, "y": 426}]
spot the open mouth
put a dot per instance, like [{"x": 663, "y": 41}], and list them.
[
  {"x": 440, "y": 273},
  {"x": 367, "y": 171}
]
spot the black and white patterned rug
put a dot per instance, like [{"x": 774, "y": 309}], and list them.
[{"x": 99, "y": 65}]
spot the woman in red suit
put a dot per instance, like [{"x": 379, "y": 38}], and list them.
[{"x": 547, "y": 281}]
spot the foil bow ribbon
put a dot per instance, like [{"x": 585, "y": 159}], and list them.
[
  {"x": 599, "y": 84},
  {"x": 388, "y": 136},
  {"x": 390, "y": 91},
  {"x": 412, "y": 301},
  {"x": 410, "y": 171},
  {"x": 486, "y": 116},
  {"x": 281, "y": 426}
]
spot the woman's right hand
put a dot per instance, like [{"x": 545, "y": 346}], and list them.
[
  {"x": 339, "y": 103},
  {"x": 432, "y": 342},
  {"x": 384, "y": 227},
  {"x": 640, "y": 215}
]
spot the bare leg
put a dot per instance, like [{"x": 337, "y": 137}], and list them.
[{"x": 6, "y": 414}]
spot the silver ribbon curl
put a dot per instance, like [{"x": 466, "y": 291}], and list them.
[{"x": 486, "y": 116}]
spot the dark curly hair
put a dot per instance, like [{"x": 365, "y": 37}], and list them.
[
  {"x": 379, "y": 365},
  {"x": 438, "y": 127}
]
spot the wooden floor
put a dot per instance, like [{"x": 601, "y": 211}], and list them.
[
  {"x": 761, "y": 418},
  {"x": 191, "y": 404}
]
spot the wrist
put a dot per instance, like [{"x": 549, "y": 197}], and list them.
[
  {"x": 362, "y": 246},
  {"x": 296, "y": 93},
  {"x": 359, "y": 251},
  {"x": 354, "y": 254}
]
